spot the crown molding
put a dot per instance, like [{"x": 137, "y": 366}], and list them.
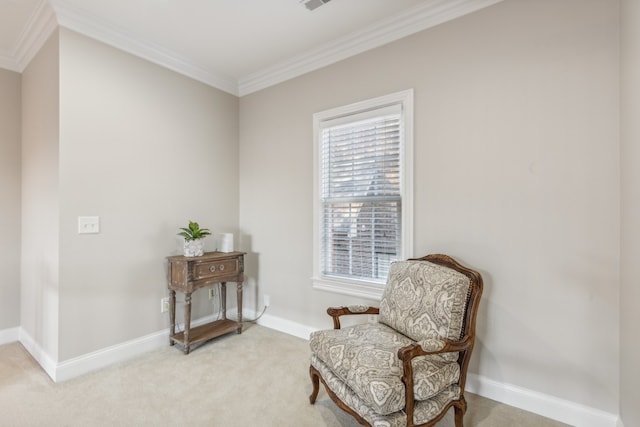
[
  {"x": 91, "y": 26},
  {"x": 41, "y": 24},
  {"x": 37, "y": 31},
  {"x": 417, "y": 19},
  {"x": 7, "y": 61}
]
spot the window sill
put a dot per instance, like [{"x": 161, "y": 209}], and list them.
[{"x": 355, "y": 288}]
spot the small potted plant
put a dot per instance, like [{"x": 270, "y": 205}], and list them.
[{"x": 194, "y": 239}]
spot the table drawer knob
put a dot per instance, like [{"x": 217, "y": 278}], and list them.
[
  {"x": 212, "y": 268},
  {"x": 221, "y": 267}
]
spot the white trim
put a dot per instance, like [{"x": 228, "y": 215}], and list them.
[
  {"x": 46, "y": 362},
  {"x": 92, "y": 26},
  {"x": 539, "y": 403},
  {"x": 359, "y": 288},
  {"x": 95, "y": 360},
  {"x": 77, "y": 366},
  {"x": 420, "y": 18},
  {"x": 37, "y": 31},
  {"x": 8, "y": 62},
  {"x": 43, "y": 23},
  {"x": 40, "y": 25},
  {"x": 406, "y": 157},
  {"x": 9, "y": 335},
  {"x": 546, "y": 405},
  {"x": 349, "y": 287},
  {"x": 117, "y": 353},
  {"x": 286, "y": 326}
]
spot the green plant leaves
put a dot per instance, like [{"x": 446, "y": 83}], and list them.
[{"x": 194, "y": 231}]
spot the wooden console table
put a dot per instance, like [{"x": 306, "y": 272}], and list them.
[{"x": 188, "y": 274}]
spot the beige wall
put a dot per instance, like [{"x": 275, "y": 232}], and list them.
[
  {"x": 145, "y": 149},
  {"x": 516, "y": 164},
  {"x": 516, "y": 174},
  {"x": 630, "y": 244},
  {"x": 10, "y": 199},
  {"x": 40, "y": 207}
]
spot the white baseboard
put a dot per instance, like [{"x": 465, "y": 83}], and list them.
[
  {"x": 286, "y": 326},
  {"x": 548, "y": 406},
  {"x": 72, "y": 368},
  {"x": 117, "y": 353},
  {"x": 539, "y": 403},
  {"x": 9, "y": 335},
  {"x": 46, "y": 362},
  {"x": 86, "y": 363},
  {"x": 542, "y": 404}
]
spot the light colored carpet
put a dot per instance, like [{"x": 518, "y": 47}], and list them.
[{"x": 259, "y": 378}]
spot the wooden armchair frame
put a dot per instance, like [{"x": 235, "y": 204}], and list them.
[{"x": 464, "y": 347}]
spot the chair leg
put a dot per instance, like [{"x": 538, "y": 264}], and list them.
[
  {"x": 315, "y": 380},
  {"x": 458, "y": 416},
  {"x": 459, "y": 411}
]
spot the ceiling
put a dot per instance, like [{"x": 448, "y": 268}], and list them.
[{"x": 239, "y": 46}]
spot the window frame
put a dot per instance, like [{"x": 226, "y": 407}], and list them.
[{"x": 362, "y": 287}]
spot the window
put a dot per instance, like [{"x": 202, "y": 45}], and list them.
[{"x": 362, "y": 193}]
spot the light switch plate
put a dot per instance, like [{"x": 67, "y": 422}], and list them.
[{"x": 88, "y": 224}]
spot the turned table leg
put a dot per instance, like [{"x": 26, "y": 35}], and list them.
[
  {"x": 223, "y": 295},
  {"x": 172, "y": 315},
  {"x": 187, "y": 321},
  {"x": 239, "y": 307}
]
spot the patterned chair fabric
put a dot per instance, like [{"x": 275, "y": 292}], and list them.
[
  {"x": 365, "y": 357},
  {"x": 426, "y": 410},
  {"x": 423, "y": 300},
  {"x": 423, "y": 303}
]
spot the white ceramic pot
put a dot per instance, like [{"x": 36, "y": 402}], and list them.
[{"x": 194, "y": 247}]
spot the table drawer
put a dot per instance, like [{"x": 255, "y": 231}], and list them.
[{"x": 218, "y": 268}]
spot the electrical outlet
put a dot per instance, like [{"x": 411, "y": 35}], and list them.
[
  {"x": 212, "y": 293},
  {"x": 164, "y": 305},
  {"x": 267, "y": 300}
]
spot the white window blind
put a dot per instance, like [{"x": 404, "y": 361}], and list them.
[
  {"x": 360, "y": 192},
  {"x": 363, "y": 187}
]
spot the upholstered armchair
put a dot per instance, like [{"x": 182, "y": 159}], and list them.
[{"x": 409, "y": 367}]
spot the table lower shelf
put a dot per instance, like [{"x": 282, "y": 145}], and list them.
[{"x": 208, "y": 331}]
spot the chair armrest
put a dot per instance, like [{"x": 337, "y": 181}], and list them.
[
  {"x": 432, "y": 346},
  {"x": 336, "y": 312},
  {"x": 422, "y": 348}
]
